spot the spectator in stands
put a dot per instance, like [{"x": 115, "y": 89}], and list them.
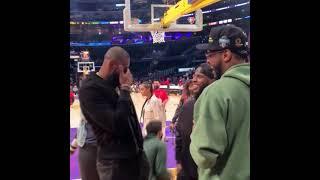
[
  {"x": 180, "y": 82},
  {"x": 71, "y": 97},
  {"x": 75, "y": 89},
  {"x": 167, "y": 82},
  {"x": 152, "y": 109},
  {"x": 220, "y": 140},
  {"x": 156, "y": 151},
  {"x": 186, "y": 167},
  {"x": 160, "y": 93},
  {"x": 174, "y": 80},
  {"x": 107, "y": 106},
  {"x": 162, "y": 82}
]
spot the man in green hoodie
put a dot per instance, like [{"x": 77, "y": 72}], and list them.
[{"x": 220, "y": 140}]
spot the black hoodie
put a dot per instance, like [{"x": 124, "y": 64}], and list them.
[{"x": 110, "y": 116}]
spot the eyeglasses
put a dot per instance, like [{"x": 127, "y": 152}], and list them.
[{"x": 210, "y": 54}]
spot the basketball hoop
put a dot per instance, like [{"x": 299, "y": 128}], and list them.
[
  {"x": 85, "y": 70},
  {"x": 157, "y": 37},
  {"x": 137, "y": 25}
]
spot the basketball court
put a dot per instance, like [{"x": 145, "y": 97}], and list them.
[{"x": 160, "y": 18}]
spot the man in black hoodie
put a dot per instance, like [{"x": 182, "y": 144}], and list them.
[{"x": 106, "y": 104}]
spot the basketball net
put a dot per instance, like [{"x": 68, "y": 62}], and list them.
[
  {"x": 85, "y": 70},
  {"x": 157, "y": 37}
]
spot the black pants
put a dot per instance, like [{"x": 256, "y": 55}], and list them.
[
  {"x": 87, "y": 162},
  {"x": 124, "y": 169},
  {"x": 184, "y": 176}
]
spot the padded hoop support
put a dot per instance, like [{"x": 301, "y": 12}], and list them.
[{"x": 156, "y": 26}]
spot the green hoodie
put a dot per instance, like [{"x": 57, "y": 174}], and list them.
[
  {"x": 220, "y": 140},
  {"x": 156, "y": 153}
]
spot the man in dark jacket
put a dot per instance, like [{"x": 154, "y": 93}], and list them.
[
  {"x": 106, "y": 104},
  {"x": 187, "y": 168}
]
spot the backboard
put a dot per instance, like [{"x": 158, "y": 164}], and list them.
[
  {"x": 86, "y": 67},
  {"x": 145, "y": 16}
]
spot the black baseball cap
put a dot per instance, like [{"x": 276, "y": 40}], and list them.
[{"x": 227, "y": 37}]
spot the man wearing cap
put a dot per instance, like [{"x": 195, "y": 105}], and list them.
[{"x": 220, "y": 140}]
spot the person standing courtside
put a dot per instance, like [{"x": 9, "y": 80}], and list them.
[
  {"x": 184, "y": 97},
  {"x": 202, "y": 77},
  {"x": 152, "y": 109},
  {"x": 87, "y": 143},
  {"x": 220, "y": 140},
  {"x": 107, "y": 106}
]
